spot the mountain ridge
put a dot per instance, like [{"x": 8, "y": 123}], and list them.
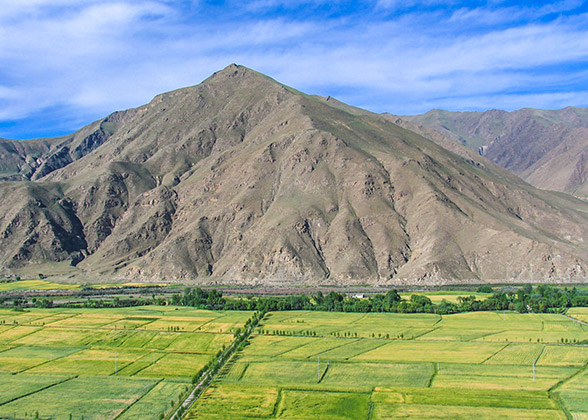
[
  {"x": 547, "y": 148},
  {"x": 243, "y": 180}
]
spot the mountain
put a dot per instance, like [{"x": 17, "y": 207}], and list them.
[
  {"x": 243, "y": 180},
  {"x": 548, "y": 149}
]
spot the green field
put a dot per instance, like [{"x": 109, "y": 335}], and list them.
[
  {"x": 317, "y": 365},
  {"x": 105, "y": 363},
  {"x": 448, "y": 295},
  {"x": 135, "y": 363}
]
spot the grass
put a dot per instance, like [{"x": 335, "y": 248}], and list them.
[
  {"x": 90, "y": 362},
  {"x": 432, "y": 351},
  {"x": 199, "y": 342},
  {"x": 497, "y": 377},
  {"x": 455, "y": 367},
  {"x": 372, "y": 366},
  {"x": 23, "y": 358},
  {"x": 450, "y": 296},
  {"x": 427, "y": 411},
  {"x": 91, "y": 397},
  {"x": 15, "y": 386},
  {"x": 285, "y": 372},
  {"x": 50, "y": 285},
  {"x": 37, "y": 285},
  {"x": 579, "y": 313},
  {"x": 354, "y": 325},
  {"x": 378, "y": 374},
  {"x": 102, "y": 363},
  {"x": 176, "y": 365},
  {"x": 517, "y": 354},
  {"x": 157, "y": 400},
  {"x": 564, "y": 356},
  {"x": 465, "y": 397},
  {"x": 230, "y": 401},
  {"x": 299, "y": 404}
]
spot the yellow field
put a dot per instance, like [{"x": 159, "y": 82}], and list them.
[
  {"x": 344, "y": 366},
  {"x": 106, "y": 362}
]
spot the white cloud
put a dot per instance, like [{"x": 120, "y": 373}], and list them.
[{"x": 99, "y": 56}]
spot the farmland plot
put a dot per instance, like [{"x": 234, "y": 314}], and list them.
[
  {"x": 105, "y": 363},
  {"x": 312, "y": 365}
]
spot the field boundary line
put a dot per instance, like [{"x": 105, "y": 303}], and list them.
[
  {"x": 133, "y": 333},
  {"x": 569, "y": 378},
  {"x": 371, "y": 405},
  {"x": 574, "y": 319},
  {"x": 357, "y": 340},
  {"x": 559, "y": 403},
  {"x": 39, "y": 390},
  {"x": 433, "y": 375},
  {"x": 49, "y": 316},
  {"x": 37, "y": 328},
  {"x": 139, "y": 328},
  {"x": 142, "y": 369},
  {"x": 332, "y": 390},
  {"x": 277, "y": 404},
  {"x": 414, "y": 337},
  {"x": 116, "y": 373},
  {"x": 494, "y": 354},
  {"x": 488, "y": 335},
  {"x": 360, "y": 318},
  {"x": 324, "y": 373},
  {"x": 553, "y": 395},
  {"x": 385, "y": 342},
  {"x": 353, "y": 340},
  {"x": 53, "y": 360},
  {"x": 138, "y": 399},
  {"x": 244, "y": 370},
  {"x": 292, "y": 349},
  {"x": 10, "y": 348},
  {"x": 540, "y": 354},
  {"x": 204, "y": 323},
  {"x": 101, "y": 328}
]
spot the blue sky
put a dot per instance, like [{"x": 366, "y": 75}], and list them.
[{"x": 65, "y": 63}]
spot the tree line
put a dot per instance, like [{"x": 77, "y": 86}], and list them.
[{"x": 542, "y": 298}]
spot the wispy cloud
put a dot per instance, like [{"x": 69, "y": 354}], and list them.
[{"x": 88, "y": 58}]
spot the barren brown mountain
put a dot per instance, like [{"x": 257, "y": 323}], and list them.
[
  {"x": 244, "y": 180},
  {"x": 548, "y": 149}
]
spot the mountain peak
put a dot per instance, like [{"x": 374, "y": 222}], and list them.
[
  {"x": 232, "y": 70},
  {"x": 237, "y": 71}
]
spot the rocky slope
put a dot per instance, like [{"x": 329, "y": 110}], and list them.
[
  {"x": 548, "y": 149},
  {"x": 244, "y": 180}
]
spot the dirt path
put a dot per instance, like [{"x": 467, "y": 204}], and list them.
[{"x": 574, "y": 319}]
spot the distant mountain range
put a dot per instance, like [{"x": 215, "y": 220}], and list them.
[
  {"x": 548, "y": 149},
  {"x": 242, "y": 180}
]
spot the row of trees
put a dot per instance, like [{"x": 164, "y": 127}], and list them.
[{"x": 543, "y": 298}]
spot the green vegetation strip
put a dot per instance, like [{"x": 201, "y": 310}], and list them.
[{"x": 207, "y": 374}]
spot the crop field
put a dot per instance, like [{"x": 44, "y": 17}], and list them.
[
  {"x": 316, "y": 365},
  {"x": 130, "y": 363},
  {"x": 450, "y": 296},
  {"x": 579, "y": 313}
]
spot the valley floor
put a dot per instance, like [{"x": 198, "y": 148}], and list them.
[
  {"x": 338, "y": 366},
  {"x": 138, "y": 363},
  {"x": 126, "y": 363}
]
